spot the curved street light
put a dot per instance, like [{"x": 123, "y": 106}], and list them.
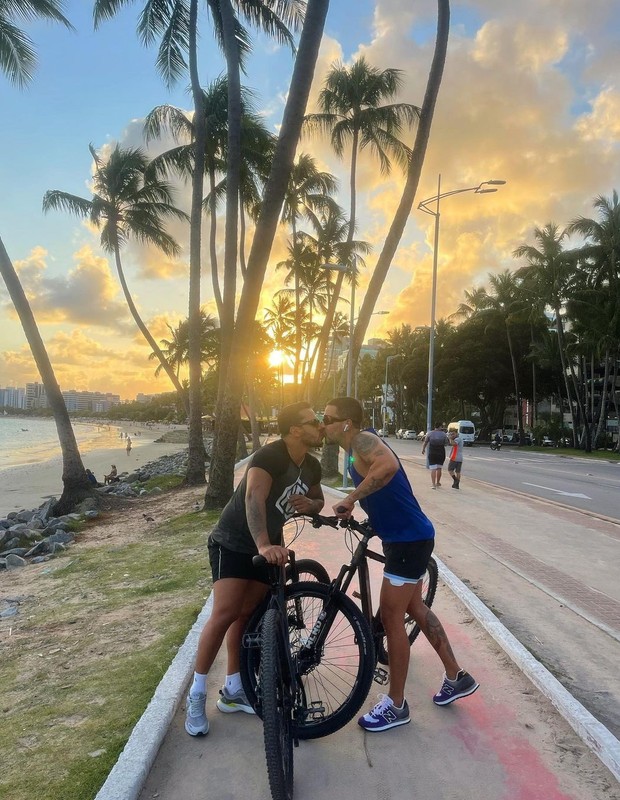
[{"x": 486, "y": 187}]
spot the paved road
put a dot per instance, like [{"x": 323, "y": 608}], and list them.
[
  {"x": 588, "y": 484},
  {"x": 549, "y": 573}
]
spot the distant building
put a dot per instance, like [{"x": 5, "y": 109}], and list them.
[
  {"x": 12, "y": 397},
  {"x": 90, "y": 401},
  {"x": 35, "y": 395}
]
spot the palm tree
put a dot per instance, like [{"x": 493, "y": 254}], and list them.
[
  {"x": 17, "y": 62},
  {"x": 176, "y": 349},
  {"x": 354, "y": 114},
  {"x": 309, "y": 190},
  {"x": 175, "y": 24},
  {"x": 549, "y": 275},
  {"x": 125, "y": 204},
  {"x": 17, "y": 55},
  {"x": 221, "y": 470},
  {"x": 416, "y": 161},
  {"x": 257, "y": 149}
]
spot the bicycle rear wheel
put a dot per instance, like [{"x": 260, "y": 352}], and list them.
[
  {"x": 332, "y": 681},
  {"x": 277, "y": 705},
  {"x": 308, "y": 570},
  {"x": 429, "y": 587}
]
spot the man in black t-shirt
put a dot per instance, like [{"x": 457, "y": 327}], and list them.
[{"x": 282, "y": 478}]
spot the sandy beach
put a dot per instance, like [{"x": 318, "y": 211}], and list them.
[{"x": 29, "y": 485}]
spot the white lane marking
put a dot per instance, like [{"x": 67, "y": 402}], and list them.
[{"x": 558, "y": 491}]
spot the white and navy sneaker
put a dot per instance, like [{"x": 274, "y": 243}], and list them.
[
  {"x": 385, "y": 715},
  {"x": 462, "y": 686}
]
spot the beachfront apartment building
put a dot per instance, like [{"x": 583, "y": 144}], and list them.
[
  {"x": 12, "y": 397},
  {"x": 34, "y": 396}
]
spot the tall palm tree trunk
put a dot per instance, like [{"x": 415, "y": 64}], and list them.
[
  {"x": 215, "y": 277},
  {"x": 76, "y": 485},
  {"x": 222, "y": 466},
  {"x": 401, "y": 216},
  {"x": 603, "y": 401},
  {"x": 195, "y": 474}
]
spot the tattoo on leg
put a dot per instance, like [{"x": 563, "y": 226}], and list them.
[{"x": 434, "y": 632}]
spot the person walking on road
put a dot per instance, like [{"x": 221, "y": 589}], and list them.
[
  {"x": 456, "y": 459},
  {"x": 282, "y": 478},
  {"x": 436, "y": 442},
  {"x": 407, "y": 536}
]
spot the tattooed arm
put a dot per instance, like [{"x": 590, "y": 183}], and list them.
[
  {"x": 256, "y": 494},
  {"x": 375, "y": 459}
]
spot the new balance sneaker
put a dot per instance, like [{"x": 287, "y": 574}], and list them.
[
  {"x": 196, "y": 722},
  {"x": 229, "y": 703},
  {"x": 462, "y": 686},
  {"x": 385, "y": 715}
]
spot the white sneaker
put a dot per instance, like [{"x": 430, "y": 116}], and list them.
[{"x": 196, "y": 722}]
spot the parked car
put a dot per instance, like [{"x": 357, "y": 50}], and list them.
[
  {"x": 409, "y": 435},
  {"x": 547, "y": 441},
  {"x": 385, "y": 435}
]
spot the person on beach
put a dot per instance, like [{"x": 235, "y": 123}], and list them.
[
  {"x": 407, "y": 536},
  {"x": 282, "y": 478},
  {"x": 456, "y": 459},
  {"x": 112, "y": 476},
  {"x": 91, "y": 478},
  {"x": 436, "y": 442},
  {"x": 128, "y": 448}
]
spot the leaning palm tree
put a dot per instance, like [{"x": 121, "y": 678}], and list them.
[
  {"x": 402, "y": 214},
  {"x": 358, "y": 113},
  {"x": 17, "y": 63},
  {"x": 125, "y": 204}
]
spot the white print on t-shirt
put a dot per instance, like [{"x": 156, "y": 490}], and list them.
[{"x": 299, "y": 487}]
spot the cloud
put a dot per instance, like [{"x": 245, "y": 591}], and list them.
[{"x": 87, "y": 294}]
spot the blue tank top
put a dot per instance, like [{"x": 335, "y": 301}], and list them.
[{"x": 393, "y": 511}]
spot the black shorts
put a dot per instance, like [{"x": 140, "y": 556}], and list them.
[
  {"x": 407, "y": 560},
  {"x": 455, "y": 466},
  {"x": 227, "y": 563}
]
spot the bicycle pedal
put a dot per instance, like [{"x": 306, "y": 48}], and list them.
[
  {"x": 381, "y": 676},
  {"x": 251, "y": 640}
]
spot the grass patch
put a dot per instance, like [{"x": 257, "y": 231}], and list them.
[
  {"x": 87, "y": 651},
  {"x": 163, "y": 482}
]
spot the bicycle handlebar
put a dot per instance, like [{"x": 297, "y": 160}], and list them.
[{"x": 318, "y": 520}]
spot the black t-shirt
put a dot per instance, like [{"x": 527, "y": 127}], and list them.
[{"x": 232, "y": 529}]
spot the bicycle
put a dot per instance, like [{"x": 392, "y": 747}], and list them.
[
  {"x": 334, "y": 644},
  {"x": 279, "y": 666}
]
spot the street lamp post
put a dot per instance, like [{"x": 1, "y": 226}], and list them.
[
  {"x": 482, "y": 188},
  {"x": 385, "y": 391}
]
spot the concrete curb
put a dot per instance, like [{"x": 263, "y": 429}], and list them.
[
  {"x": 602, "y": 743},
  {"x": 128, "y": 775}
]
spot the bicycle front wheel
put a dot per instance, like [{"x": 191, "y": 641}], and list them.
[
  {"x": 429, "y": 587},
  {"x": 308, "y": 570},
  {"x": 277, "y": 707},
  {"x": 332, "y": 681}
]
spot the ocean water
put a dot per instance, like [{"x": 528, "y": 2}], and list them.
[{"x": 26, "y": 440}]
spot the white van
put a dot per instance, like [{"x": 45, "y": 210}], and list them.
[{"x": 466, "y": 430}]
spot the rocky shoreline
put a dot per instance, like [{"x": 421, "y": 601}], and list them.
[{"x": 34, "y": 536}]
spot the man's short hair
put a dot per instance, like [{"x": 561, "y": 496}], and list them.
[
  {"x": 349, "y": 408},
  {"x": 289, "y": 416}
]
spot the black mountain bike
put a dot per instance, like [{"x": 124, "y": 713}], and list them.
[{"x": 334, "y": 645}]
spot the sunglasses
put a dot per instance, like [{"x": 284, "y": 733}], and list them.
[
  {"x": 327, "y": 420},
  {"x": 314, "y": 422}
]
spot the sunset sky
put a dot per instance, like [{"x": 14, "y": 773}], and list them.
[{"x": 530, "y": 95}]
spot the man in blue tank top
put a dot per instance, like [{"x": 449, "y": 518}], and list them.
[{"x": 384, "y": 492}]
